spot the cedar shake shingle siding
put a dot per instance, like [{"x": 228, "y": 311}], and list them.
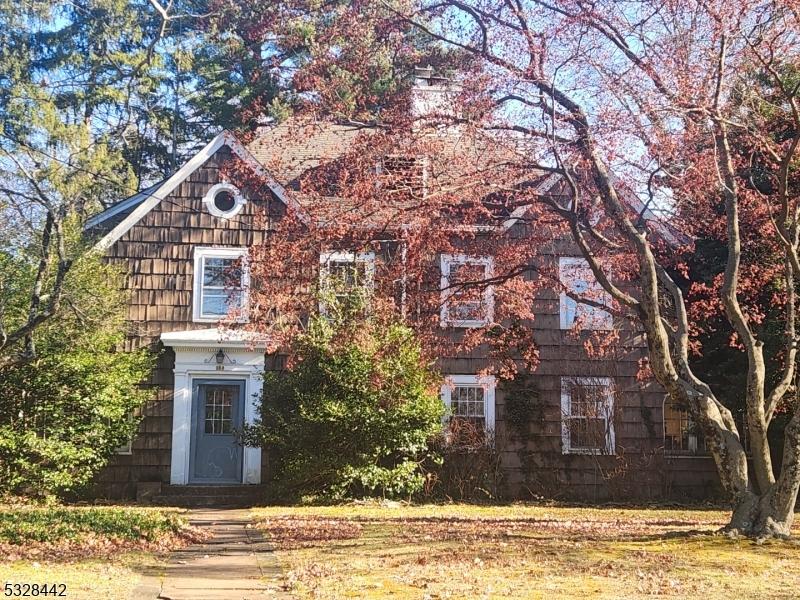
[
  {"x": 157, "y": 254},
  {"x": 531, "y": 456}
]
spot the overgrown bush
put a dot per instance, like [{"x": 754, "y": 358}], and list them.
[
  {"x": 63, "y": 414},
  {"x": 469, "y": 468},
  {"x": 353, "y": 416}
]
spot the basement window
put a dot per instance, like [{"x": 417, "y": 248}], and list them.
[
  {"x": 470, "y": 399},
  {"x": 682, "y": 436}
]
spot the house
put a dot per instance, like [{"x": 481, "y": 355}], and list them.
[{"x": 590, "y": 431}]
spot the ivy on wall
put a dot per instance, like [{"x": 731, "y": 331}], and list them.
[{"x": 523, "y": 405}]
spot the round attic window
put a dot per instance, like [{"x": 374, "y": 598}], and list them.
[{"x": 224, "y": 200}]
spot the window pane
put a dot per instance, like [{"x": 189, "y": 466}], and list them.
[
  {"x": 215, "y": 303},
  {"x": 465, "y": 295},
  {"x": 468, "y": 401},
  {"x": 219, "y": 302},
  {"x": 587, "y": 400},
  {"x": 222, "y": 272},
  {"x": 343, "y": 276},
  {"x": 588, "y": 433},
  {"x": 219, "y": 403}
]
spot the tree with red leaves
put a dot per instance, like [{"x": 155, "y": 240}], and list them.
[{"x": 659, "y": 119}]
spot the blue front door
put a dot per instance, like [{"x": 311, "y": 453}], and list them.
[{"x": 217, "y": 412}]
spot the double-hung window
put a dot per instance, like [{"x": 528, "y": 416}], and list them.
[
  {"x": 682, "y": 437},
  {"x": 470, "y": 398},
  {"x": 578, "y": 280},
  {"x": 466, "y": 299},
  {"x": 344, "y": 273},
  {"x": 221, "y": 280},
  {"x": 587, "y": 415}
]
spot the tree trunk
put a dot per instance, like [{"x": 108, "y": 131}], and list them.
[
  {"x": 771, "y": 514},
  {"x": 762, "y": 517}
]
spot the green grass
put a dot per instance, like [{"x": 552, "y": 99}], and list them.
[
  {"x": 48, "y": 524},
  {"x": 88, "y": 579},
  {"x": 522, "y": 551},
  {"x": 98, "y": 552}
]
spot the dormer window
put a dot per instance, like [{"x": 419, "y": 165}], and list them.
[
  {"x": 224, "y": 200},
  {"x": 406, "y": 175}
]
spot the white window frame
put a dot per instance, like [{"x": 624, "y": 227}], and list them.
[
  {"x": 597, "y": 318},
  {"x": 566, "y": 416},
  {"x": 125, "y": 449},
  {"x": 487, "y": 382},
  {"x": 239, "y": 200},
  {"x": 200, "y": 254},
  {"x": 325, "y": 258},
  {"x": 446, "y": 262}
]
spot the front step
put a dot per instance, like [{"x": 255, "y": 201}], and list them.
[{"x": 191, "y": 496}]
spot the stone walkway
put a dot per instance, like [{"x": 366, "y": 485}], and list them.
[{"x": 235, "y": 564}]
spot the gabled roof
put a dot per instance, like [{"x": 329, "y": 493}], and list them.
[
  {"x": 542, "y": 187},
  {"x": 137, "y": 206},
  {"x": 123, "y": 208},
  {"x": 288, "y": 150},
  {"x": 297, "y": 145}
]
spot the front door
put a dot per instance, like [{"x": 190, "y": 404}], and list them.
[{"x": 217, "y": 411}]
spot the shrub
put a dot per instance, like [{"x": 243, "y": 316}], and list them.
[
  {"x": 354, "y": 415},
  {"x": 63, "y": 415},
  {"x": 470, "y": 465},
  {"x": 51, "y": 524}
]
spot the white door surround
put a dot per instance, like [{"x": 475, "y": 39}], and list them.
[{"x": 196, "y": 358}]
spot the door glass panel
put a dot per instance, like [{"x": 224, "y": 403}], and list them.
[{"x": 219, "y": 403}]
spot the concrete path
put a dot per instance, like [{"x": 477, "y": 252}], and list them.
[{"x": 236, "y": 564}]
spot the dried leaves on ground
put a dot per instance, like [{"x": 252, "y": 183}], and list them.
[
  {"x": 517, "y": 551},
  {"x": 60, "y": 533}
]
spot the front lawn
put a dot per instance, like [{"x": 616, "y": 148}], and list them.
[
  {"x": 54, "y": 524},
  {"x": 88, "y": 578},
  {"x": 519, "y": 551},
  {"x": 96, "y": 552}
]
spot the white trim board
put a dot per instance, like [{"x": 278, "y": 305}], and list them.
[
  {"x": 225, "y": 138},
  {"x": 214, "y": 336},
  {"x": 197, "y": 362},
  {"x": 121, "y": 206},
  {"x": 545, "y": 186},
  {"x": 202, "y": 252}
]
